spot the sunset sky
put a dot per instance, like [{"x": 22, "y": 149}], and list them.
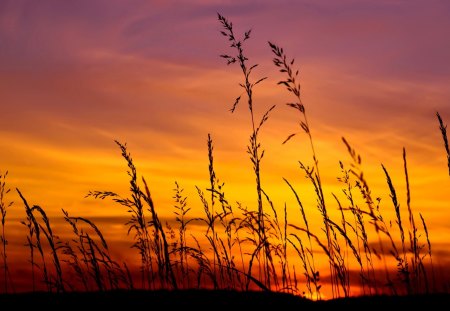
[{"x": 77, "y": 75}]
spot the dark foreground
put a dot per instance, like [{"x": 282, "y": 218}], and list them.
[{"x": 209, "y": 298}]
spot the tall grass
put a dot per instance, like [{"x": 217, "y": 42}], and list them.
[
  {"x": 150, "y": 244},
  {"x": 4, "y": 206},
  {"x": 254, "y": 148},
  {"x": 443, "y": 129},
  {"x": 105, "y": 272},
  {"x": 243, "y": 247},
  {"x": 292, "y": 85},
  {"x": 35, "y": 217},
  {"x": 181, "y": 211}
]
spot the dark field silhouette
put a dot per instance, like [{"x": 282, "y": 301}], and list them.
[{"x": 212, "y": 298}]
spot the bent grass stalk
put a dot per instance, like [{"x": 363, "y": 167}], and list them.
[
  {"x": 293, "y": 86},
  {"x": 443, "y": 129},
  {"x": 35, "y": 230},
  {"x": 402, "y": 262}
]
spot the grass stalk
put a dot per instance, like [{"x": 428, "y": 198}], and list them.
[
  {"x": 443, "y": 129},
  {"x": 254, "y": 148},
  {"x": 4, "y": 206}
]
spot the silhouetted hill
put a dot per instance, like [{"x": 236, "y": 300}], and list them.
[{"x": 209, "y": 298}]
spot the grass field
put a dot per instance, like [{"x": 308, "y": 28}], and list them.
[{"x": 251, "y": 255}]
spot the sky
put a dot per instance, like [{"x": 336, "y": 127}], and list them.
[{"x": 77, "y": 75}]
